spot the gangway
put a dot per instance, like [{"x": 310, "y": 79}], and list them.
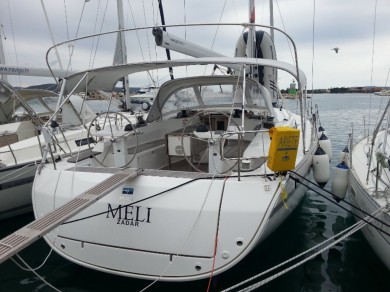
[{"x": 30, "y": 233}]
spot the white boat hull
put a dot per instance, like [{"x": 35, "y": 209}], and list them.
[
  {"x": 379, "y": 242},
  {"x": 15, "y": 190},
  {"x": 367, "y": 199},
  {"x": 204, "y": 196},
  {"x": 148, "y": 240}
]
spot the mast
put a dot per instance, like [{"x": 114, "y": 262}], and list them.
[
  {"x": 120, "y": 56},
  {"x": 2, "y": 55}
]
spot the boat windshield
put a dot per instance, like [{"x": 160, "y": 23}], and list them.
[{"x": 213, "y": 96}]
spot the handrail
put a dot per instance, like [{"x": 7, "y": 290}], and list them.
[
  {"x": 240, "y": 134},
  {"x": 25, "y": 105},
  {"x": 244, "y": 24},
  {"x": 9, "y": 146}
]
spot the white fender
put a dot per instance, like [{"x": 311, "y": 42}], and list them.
[
  {"x": 326, "y": 145},
  {"x": 340, "y": 180},
  {"x": 344, "y": 155},
  {"x": 321, "y": 130},
  {"x": 321, "y": 170}
]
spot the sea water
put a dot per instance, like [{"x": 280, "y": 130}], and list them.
[{"x": 351, "y": 265}]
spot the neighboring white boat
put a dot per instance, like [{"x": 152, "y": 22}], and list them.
[
  {"x": 21, "y": 141},
  {"x": 21, "y": 144},
  {"x": 207, "y": 191},
  {"x": 20, "y": 137},
  {"x": 145, "y": 94},
  {"x": 384, "y": 92},
  {"x": 370, "y": 186}
]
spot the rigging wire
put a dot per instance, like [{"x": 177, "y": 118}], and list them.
[
  {"x": 147, "y": 35},
  {"x": 148, "y": 43},
  {"x": 136, "y": 32},
  {"x": 71, "y": 47},
  {"x": 139, "y": 43},
  {"x": 372, "y": 66},
  {"x": 98, "y": 40},
  {"x": 216, "y": 32},
  {"x": 66, "y": 20},
  {"x": 185, "y": 19},
  {"x": 284, "y": 28},
  {"x": 387, "y": 78},
  {"x": 155, "y": 22},
  {"x": 235, "y": 10},
  {"x": 219, "y": 21},
  {"x": 13, "y": 39},
  {"x": 94, "y": 31}
]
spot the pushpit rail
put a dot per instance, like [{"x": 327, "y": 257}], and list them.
[{"x": 25, "y": 236}]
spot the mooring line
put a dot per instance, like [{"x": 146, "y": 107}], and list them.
[{"x": 348, "y": 231}]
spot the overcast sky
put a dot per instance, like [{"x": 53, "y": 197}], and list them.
[{"x": 346, "y": 24}]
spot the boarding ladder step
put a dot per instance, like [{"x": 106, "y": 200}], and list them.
[{"x": 30, "y": 233}]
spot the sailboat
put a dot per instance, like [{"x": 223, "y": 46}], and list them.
[
  {"x": 196, "y": 186},
  {"x": 21, "y": 137},
  {"x": 20, "y": 147},
  {"x": 369, "y": 181},
  {"x": 21, "y": 141}
]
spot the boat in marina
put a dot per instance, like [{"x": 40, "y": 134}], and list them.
[
  {"x": 21, "y": 141},
  {"x": 20, "y": 131},
  {"x": 145, "y": 94},
  {"x": 384, "y": 92},
  {"x": 370, "y": 185},
  {"x": 203, "y": 179}
]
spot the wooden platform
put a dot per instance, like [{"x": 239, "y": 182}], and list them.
[{"x": 30, "y": 233}]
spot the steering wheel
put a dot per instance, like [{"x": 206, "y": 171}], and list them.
[
  {"x": 110, "y": 129},
  {"x": 203, "y": 146}
]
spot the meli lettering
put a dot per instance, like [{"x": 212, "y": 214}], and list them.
[{"x": 129, "y": 215}]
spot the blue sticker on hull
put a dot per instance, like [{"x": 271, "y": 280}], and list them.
[{"x": 127, "y": 191}]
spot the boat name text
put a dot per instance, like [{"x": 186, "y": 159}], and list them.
[{"x": 129, "y": 215}]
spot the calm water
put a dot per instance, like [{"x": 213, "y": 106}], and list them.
[{"x": 349, "y": 266}]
